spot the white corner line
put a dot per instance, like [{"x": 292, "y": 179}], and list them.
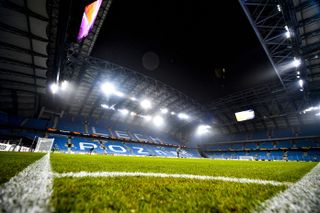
[
  {"x": 165, "y": 175},
  {"x": 30, "y": 190},
  {"x": 303, "y": 196}
]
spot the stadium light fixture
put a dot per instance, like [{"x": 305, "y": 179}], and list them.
[
  {"x": 287, "y": 34},
  {"x": 244, "y": 115},
  {"x": 105, "y": 106},
  {"x": 173, "y": 113},
  {"x": 300, "y": 83},
  {"x": 64, "y": 85},
  {"x": 54, "y": 88},
  {"x": 133, "y": 113},
  {"x": 119, "y": 94},
  {"x": 298, "y": 72},
  {"x": 147, "y": 117},
  {"x": 146, "y": 104},
  {"x": 108, "y": 88},
  {"x": 183, "y": 116},
  {"x": 296, "y": 62},
  {"x": 164, "y": 110},
  {"x": 123, "y": 111},
  {"x": 158, "y": 120},
  {"x": 279, "y": 7},
  {"x": 203, "y": 129}
]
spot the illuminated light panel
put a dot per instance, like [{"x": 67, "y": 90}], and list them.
[
  {"x": 245, "y": 115},
  {"x": 88, "y": 18},
  {"x": 108, "y": 88},
  {"x": 203, "y": 129},
  {"x": 146, "y": 104},
  {"x": 279, "y": 7},
  {"x": 158, "y": 120},
  {"x": 288, "y": 34},
  {"x": 105, "y": 106},
  {"x": 64, "y": 85},
  {"x": 296, "y": 62},
  {"x": 123, "y": 111},
  {"x": 164, "y": 110},
  {"x": 300, "y": 83},
  {"x": 146, "y": 117},
  {"x": 54, "y": 88},
  {"x": 183, "y": 116},
  {"x": 119, "y": 94}
]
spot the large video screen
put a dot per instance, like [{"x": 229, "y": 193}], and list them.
[
  {"x": 88, "y": 18},
  {"x": 245, "y": 115}
]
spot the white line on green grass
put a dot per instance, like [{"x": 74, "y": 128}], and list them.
[
  {"x": 164, "y": 175},
  {"x": 30, "y": 190},
  {"x": 303, "y": 196}
]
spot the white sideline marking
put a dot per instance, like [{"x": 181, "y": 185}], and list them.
[
  {"x": 30, "y": 190},
  {"x": 303, "y": 196},
  {"x": 164, "y": 175}
]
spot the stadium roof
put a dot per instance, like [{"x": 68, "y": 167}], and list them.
[{"x": 32, "y": 55}]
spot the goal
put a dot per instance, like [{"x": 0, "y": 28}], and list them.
[
  {"x": 245, "y": 157},
  {"x": 44, "y": 145}
]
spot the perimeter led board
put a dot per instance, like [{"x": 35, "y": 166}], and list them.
[
  {"x": 88, "y": 18},
  {"x": 245, "y": 115}
]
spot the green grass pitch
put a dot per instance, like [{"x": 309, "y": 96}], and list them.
[
  {"x": 11, "y": 163},
  {"x": 157, "y": 194},
  {"x": 154, "y": 194}
]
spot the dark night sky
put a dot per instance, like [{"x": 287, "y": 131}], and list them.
[{"x": 193, "y": 40}]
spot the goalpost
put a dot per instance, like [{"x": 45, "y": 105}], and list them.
[
  {"x": 245, "y": 157},
  {"x": 44, "y": 145}
]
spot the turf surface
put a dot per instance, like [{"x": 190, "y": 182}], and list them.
[
  {"x": 279, "y": 171},
  {"x": 14, "y": 162},
  {"x": 150, "y": 194}
]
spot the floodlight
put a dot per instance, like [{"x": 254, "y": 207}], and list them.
[
  {"x": 164, "y": 110},
  {"x": 146, "y": 104},
  {"x": 64, "y": 85},
  {"x": 173, "y": 113},
  {"x": 203, "y": 129},
  {"x": 296, "y": 62},
  {"x": 133, "y": 99},
  {"x": 133, "y": 113},
  {"x": 124, "y": 111},
  {"x": 279, "y": 7},
  {"x": 158, "y": 120},
  {"x": 54, "y": 88},
  {"x": 147, "y": 117},
  {"x": 105, "y": 106},
  {"x": 298, "y": 72},
  {"x": 119, "y": 94},
  {"x": 245, "y": 115},
  {"x": 108, "y": 88},
  {"x": 183, "y": 116},
  {"x": 287, "y": 34},
  {"x": 300, "y": 82}
]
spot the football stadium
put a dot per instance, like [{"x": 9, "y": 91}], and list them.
[{"x": 159, "y": 106}]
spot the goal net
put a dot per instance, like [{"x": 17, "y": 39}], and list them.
[
  {"x": 246, "y": 158},
  {"x": 44, "y": 145}
]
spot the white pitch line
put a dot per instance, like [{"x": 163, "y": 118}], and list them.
[
  {"x": 164, "y": 175},
  {"x": 30, "y": 190},
  {"x": 303, "y": 196}
]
